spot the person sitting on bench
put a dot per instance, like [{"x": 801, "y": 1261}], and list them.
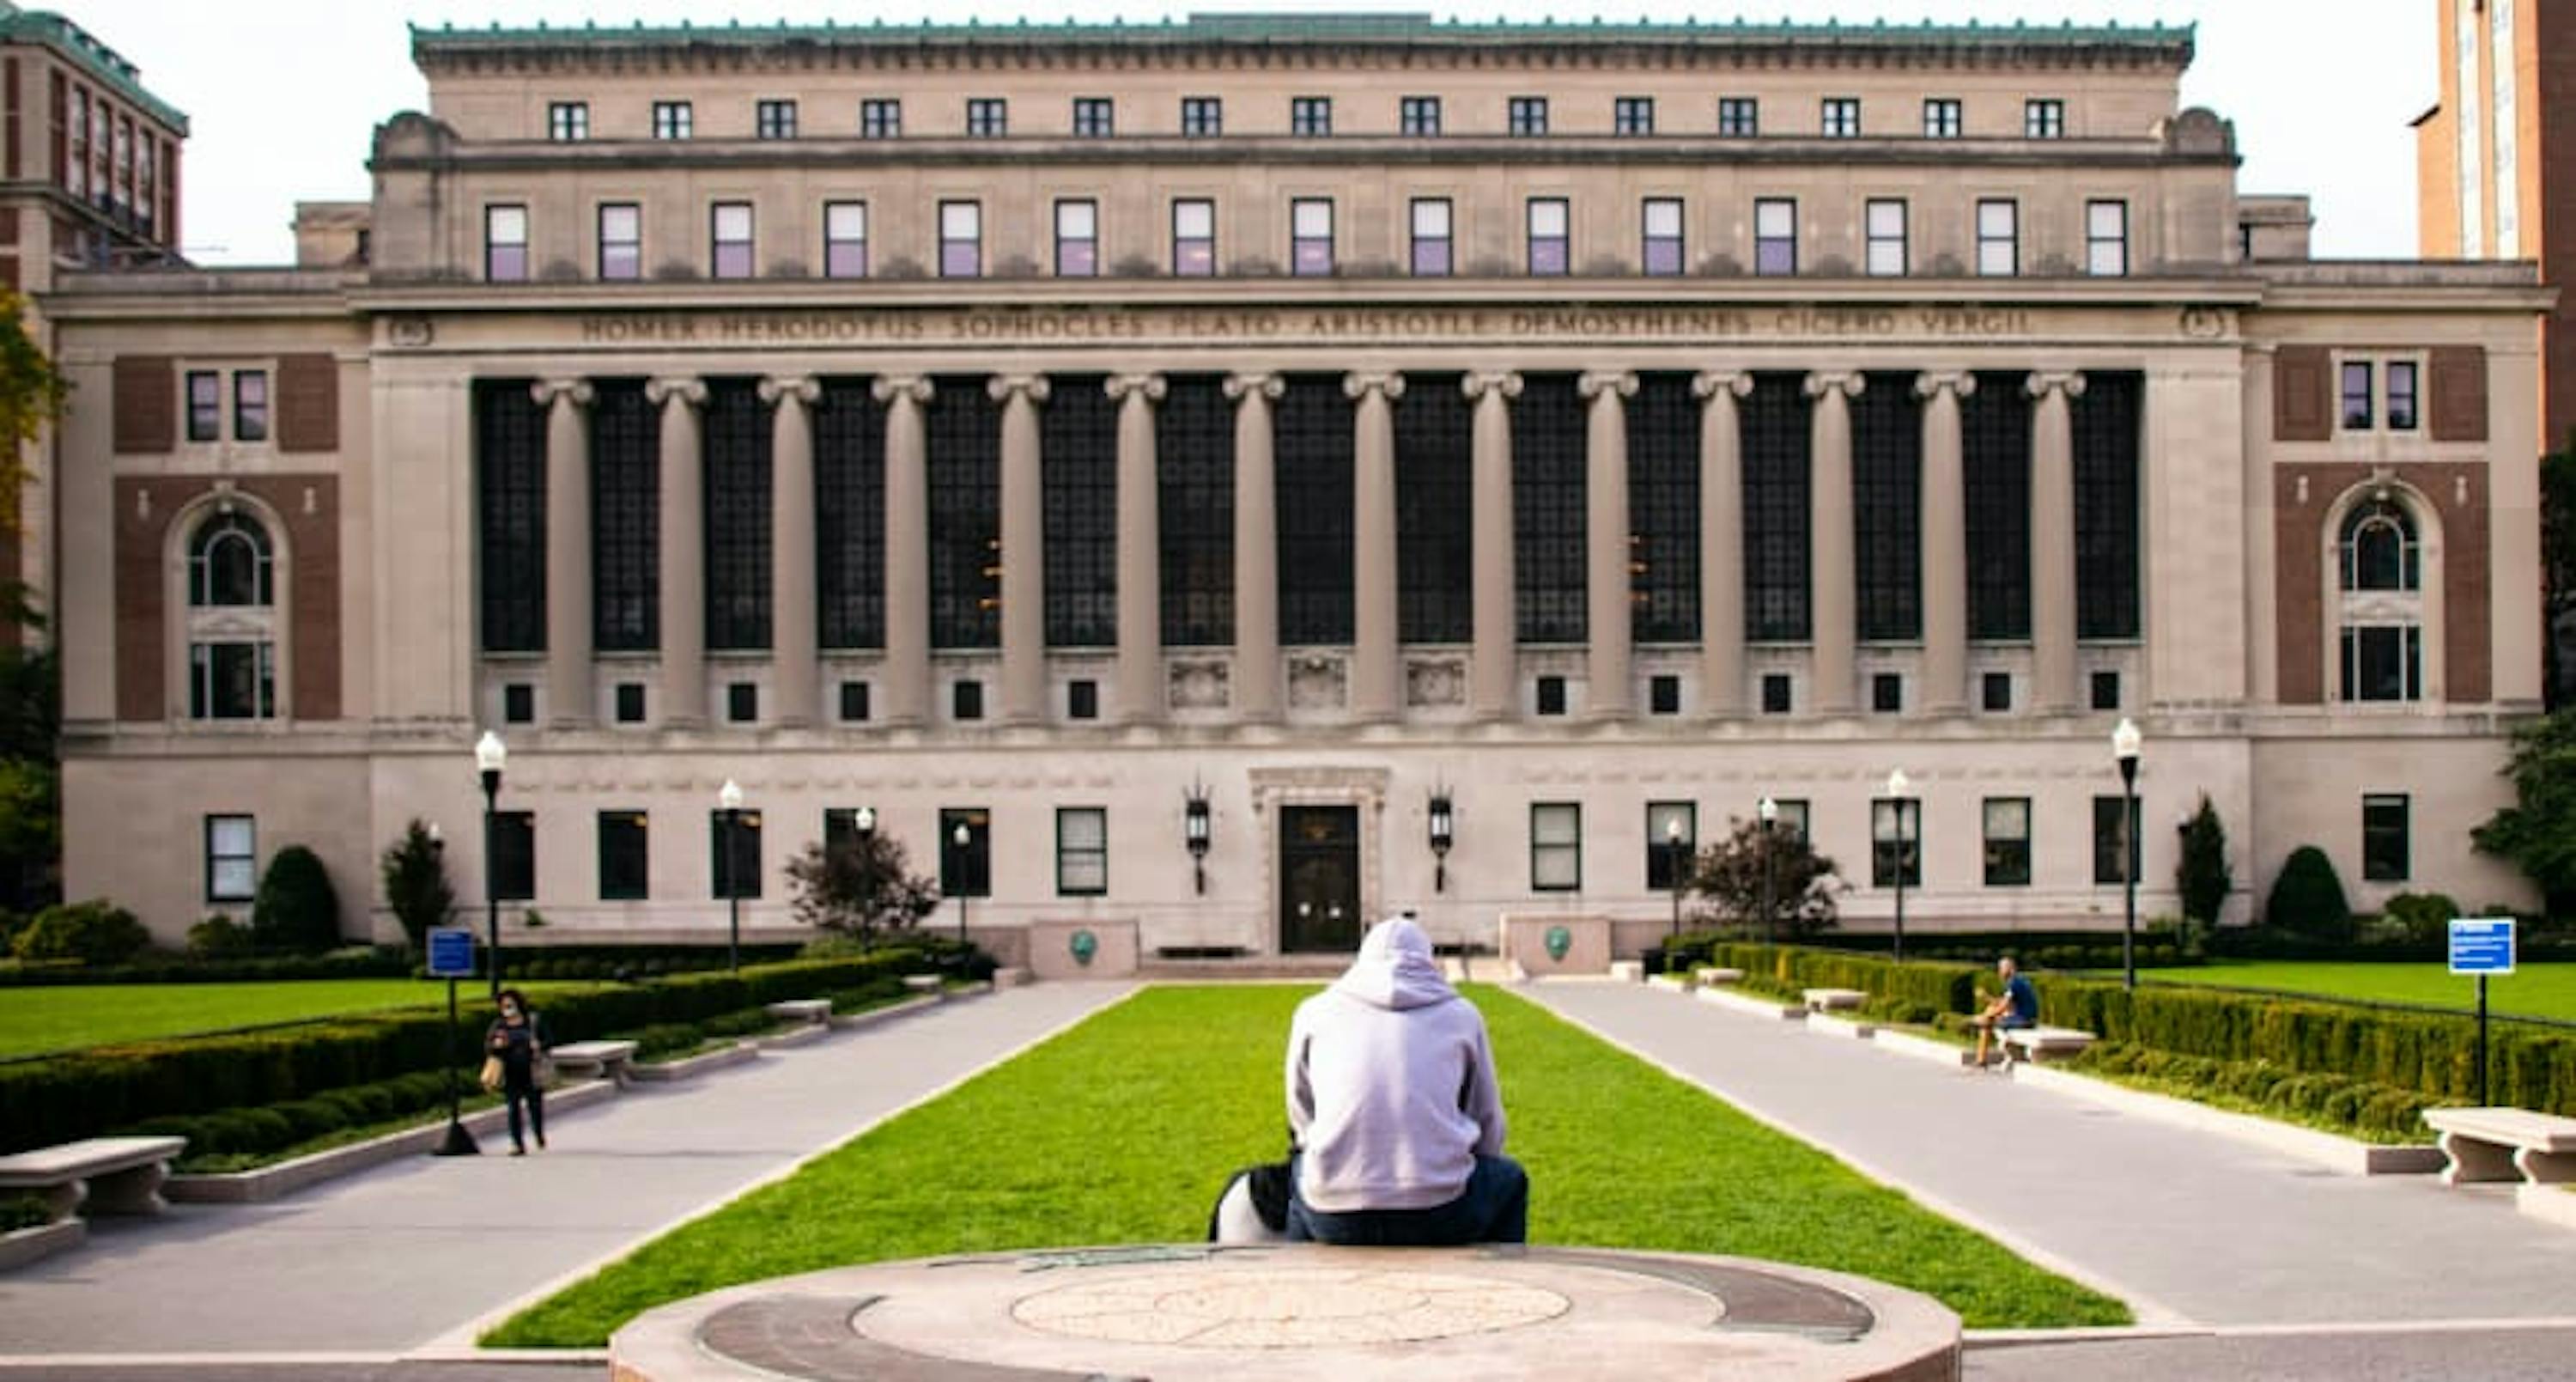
[
  {"x": 2016, "y": 1006},
  {"x": 1395, "y": 1109}
]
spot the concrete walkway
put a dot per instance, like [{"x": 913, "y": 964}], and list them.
[
  {"x": 417, "y": 1252},
  {"x": 2188, "y": 1227}
]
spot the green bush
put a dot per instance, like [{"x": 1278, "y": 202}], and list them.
[
  {"x": 22, "y": 1211},
  {"x": 2421, "y": 919},
  {"x": 296, "y": 908},
  {"x": 96, "y": 932},
  {"x": 2307, "y": 899},
  {"x": 218, "y": 937},
  {"x": 2361, "y": 1106},
  {"x": 10, "y": 925}
]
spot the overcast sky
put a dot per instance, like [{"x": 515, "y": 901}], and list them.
[{"x": 283, "y": 95}]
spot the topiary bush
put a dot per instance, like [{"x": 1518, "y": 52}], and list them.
[
  {"x": 296, "y": 908},
  {"x": 96, "y": 932},
  {"x": 218, "y": 937},
  {"x": 2308, "y": 899},
  {"x": 2422, "y": 919}
]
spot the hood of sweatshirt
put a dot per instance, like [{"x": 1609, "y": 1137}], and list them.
[{"x": 1395, "y": 969}]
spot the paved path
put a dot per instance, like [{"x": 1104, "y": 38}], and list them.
[
  {"x": 2186, "y": 1226},
  {"x": 416, "y": 1252}
]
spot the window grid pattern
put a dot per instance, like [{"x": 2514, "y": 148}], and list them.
[
  {"x": 736, "y": 477},
  {"x": 568, "y": 121},
  {"x": 2378, "y": 548},
  {"x": 1418, "y": 115},
  {"x": 1556, "y": 846},
  {"x": 1667, "y": 847},
  {"x": 1431, "y": 242},
  {"x": 774, "y": 120},
  {"x": 1887, "y": 509},
  {"x": 880, "y": 119},
  {"x": 626, "y": 514},
  {"x": 1994, "y": 426},
  {"x": 1633, "y": 115},
  {"x": 1077, "y": 238},
  {"x": 1194, "y": 463},
  {"x": 1314, "y": 451},
  {"x": 232, "y": 858},
  {"x": 672, "y": 119},
  {"x": 505, "y": 244},
  {"x": 2382, "y": 662},
  {"x": 963, "y": 426},
  {"x": 1078, "y": 435},
  {"x": 1310, "y": 236},
  {"x": 1884, "y": 224},
  {"x": 1528, "y": 115},
  {"x": 1841, "y": 117},
  {"x": 729, "y": 239},
  {"x": 232, "y": 566},
  {"x": 1776, "y": 519},
  {"x": 845, "y": 239},
  {"x": 849, "y": 514},
  {"x": 1310, "y": 115},
  {"x": 1896, "y": 841},
  {"x": 987, "y": 118},
  {"x": 1081, "y": 851},
  {"x": 1548, "y": 511},
  {"x": 1738, "y": 117},
  {"x": 2106, "y": 239},
  {"x": 205, "y": 405},
  {"x": 1942, "y": 118},
  {"x": 1202, "y": 117},
  {"x": 2106, "y": 505},
  {"x": 250, "y": 405},
  {"x": 1663, "y": 509},
  {"x": 1434, "y": 511},
  {"x": 1093, "y": 117},
  {"x": 2043, "y": 119},
  {"x": 510, "y": 442},
  {"x": 1998, "y": 237}
]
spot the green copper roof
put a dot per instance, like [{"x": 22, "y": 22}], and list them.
[{"x": 99, "y": 60}]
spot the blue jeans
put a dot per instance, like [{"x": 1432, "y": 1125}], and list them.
[{"x": 1494, "y": 1208}]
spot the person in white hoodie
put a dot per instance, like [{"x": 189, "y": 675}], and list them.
[{"x": 1394, "y": 1108}]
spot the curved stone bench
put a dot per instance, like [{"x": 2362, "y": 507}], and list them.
[{"x": 1299, "y": 1311}]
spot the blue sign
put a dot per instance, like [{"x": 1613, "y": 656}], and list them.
[
  {"x": 2482, "y": 945},
  {"x": 451, "y": 953}
]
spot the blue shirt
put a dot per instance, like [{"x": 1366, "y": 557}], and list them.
[{"x": 2025, "y": 999}]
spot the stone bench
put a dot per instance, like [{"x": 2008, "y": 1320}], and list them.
[
  {"x": 814, "y": 1010},
  {"x": 1832, "y": 1000},
  {"x": 922, "y": 983},
  {"x": 2041, "y": 1044},
  {"x": 102, "y": 1175},
  {"x": 1707, "y": 975},
  {"x": 584, "y": 1059},
  {"x": 2509, "y": 1144}
]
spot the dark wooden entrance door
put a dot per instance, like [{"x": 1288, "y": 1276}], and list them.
[{"x": 1319, "y": 878}]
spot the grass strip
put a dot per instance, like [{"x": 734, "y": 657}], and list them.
[
  {"x": 36, "y": 1021},
  {"x": 1124, "y": 1129}
]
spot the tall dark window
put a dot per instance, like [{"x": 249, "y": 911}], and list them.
[
  {"x": 1994, "y": 427},
  {"x": 1663, "y": 509},
  {"x": 733, "y": 854},
  {"x": 625, "y": 518},
  {"x": 1434, "y": 511},
  {"x": 1776, "y": 481},
  {"x": 510, "y": 450},
  {"x": 625, "y": 856},
  {"x": 966, "y": 867},
  {"x": 514, "y": 855},
  {"x": 1194, "y": 460},
  {"x": 849, "y": 514},
  {"x": 2112, "y": 824},
  {"x": 2106, "y": 505},
  {"x": 1079, "y": 435},
  {"x": 1887, "y": 509},
  {"x": 964, "y": 429},
  {"x": 2385, "y": 838},
  {"x": 737, "y": 479},
  {"x": 1313, "y": 452},
  {"x": 1548, "y": 558}
]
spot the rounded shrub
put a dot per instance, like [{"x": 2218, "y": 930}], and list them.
[
  {"x": 2307, "y": 899},
  {"x": 96, "y": 932},
  {"x": 218, "y": 937},
  {"x": 296, "y": 908}
]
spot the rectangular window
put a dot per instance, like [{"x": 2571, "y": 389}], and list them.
[
  {"x": 1663, "y": 254},
  {"x": 845, "y": 239},
  {"x": 2007, "y": 842},
  {"x": 505, "y": 244},
  {"x": 672, "y": 120},
  {"x": 1672, "y": 837},
  {"x": 1081, "y": 851},
  {"x": 2106, "y": 239},
  {"x": 1193, "y": 237},
  {"x": 1886, "y": 227},
  {"x": 1738, "y": 117},
  {"x": 2385, "y": 839},
  {"x": 965, "y": 852},
  {"x": 625, "y": 856},
  {"x": 1942, "y": 118},
  {"x": 1663, "y": 695},
  {"x": 2043, "y": 119},
  {"x": 1886, "y": 693},
  {"x": 1093, "y": 118},
  {"x": 518, "y": 704},
  {"x": 961, "y": 239},
  {"x": 1997, "y": 691},
  {"x": 568, "y": 122},
  {"x": 2383, "y": 662},
  {"x": 729, "y": 229},
  {"x": 630, "y": 702},
  {"x": 2401, "y": 395},
  {"x": 1896, "y": 841},
  {"x": 1310, "y": 115},
  {"x": 1556, "y": 847},
  {"x": 1528, "y": 115},
  {"x": 1998, "y": 238},
  {"x": 1310, "y": 232},
  {"x": 2111, "y": 840},
  {"x": 205, "y": 405},
  {"x": 742, "y": 702},
  {"x": 1841, "y": 117},
  {"x": 1633, "y": 115},
  {"x": 232, "y": 858},
  {"x": 2357, "y": 403},
  {"x": 1202, "y": 117},
  {"x": 1551, "y": 249},
  {"x": 1551, "y": 695},
  {"x": 774, "y": 119},
  {"x": 1431, "y": 237},
  {"x": 1775, "y": 693},
  {"x": 514, "y": 855},
  {"x": 987, "y": 117},
  {"x": 1775, "y": 236},
  {"x": 881, "y": 118},
  {"x": 1792, "y": 823},
  {"x": 621, "y": 241},
  {"x": 733, "y": 854},
  {"x": 1082, "y": 699},
  {"x": 1418, "y": 115},
  {"x": 1077, "y": 239},
  {"x": 250, "y": 405},
  {"x": 966, "y": 700},
  {"x": 854, "y": 702},
  {"x": 2106, "y": 690}
]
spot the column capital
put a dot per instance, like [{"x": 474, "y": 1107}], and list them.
[
  {"x": 1002, "y": 386},
  {"x": 1710, "y": 383},
  {"x": 1150, "y": 387},
  {"x": 1504, "y": 382},
  {"x": 1596, "y": 383},
  {"x": 1269, "y": 386},
  {"x": 1957, "y": 383},
  {"x": 2045, "y": 382},
  {"x": 576, "y": 391},
  {"x": 804, "y": 388},
  {"x": 688, "y": 389},
  {"x": 915, "y": 387},
  {"x": 1358, "y": 385},
  {"x": 1848, "y": 383}
]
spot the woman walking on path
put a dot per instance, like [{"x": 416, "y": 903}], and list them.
[{"x": 518, "y": 1041}]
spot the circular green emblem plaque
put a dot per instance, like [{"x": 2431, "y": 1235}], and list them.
[
  {"x": 1559, "y": 940},
  {"x": 1084, "y": 945}
]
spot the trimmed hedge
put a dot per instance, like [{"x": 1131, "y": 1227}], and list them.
[
  {"x": 2377, "y": 1110},
  {"x": 351, "y": 963},
  {"x": 2156, "y": 948}
]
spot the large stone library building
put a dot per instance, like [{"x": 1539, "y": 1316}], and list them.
[{"x": 1237, "y": 477}]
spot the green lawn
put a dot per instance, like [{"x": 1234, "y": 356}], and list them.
[
  {"x": 1124, "y": 1129},
  {"x": 36, "y": 1020},
  {"x": 2547, "y": 990}
]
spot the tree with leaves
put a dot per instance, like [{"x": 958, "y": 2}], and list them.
[
  {"x": 1729, "y": 877},
  {"x": 416, "y": 887},
  {"x": 2537, "y": 834},
  {"x": 2202, "y": 875},
  {"x": 858, "y": 887},
  {"x": 32, "y": 393},
  {"x": 31, "y": 398},
  {"x": 2557, "y": 569}
]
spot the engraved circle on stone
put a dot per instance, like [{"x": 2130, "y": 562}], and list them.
[{"x": 1287, "y": 1308}]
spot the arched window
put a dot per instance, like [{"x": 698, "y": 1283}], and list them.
[
  {"x": 2379, "y": 569},
  {"x": 2378, "y": 548},
  {"x": 233, "y": 620},
  {"x": 229, "y": 564}
]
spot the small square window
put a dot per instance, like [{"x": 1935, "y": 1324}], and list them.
[
  {"x": 1887, "y": 692},
  {"x": 1633, "y": 115},
  {"x": 1418, "y": 115},
  {"x": 1082, "y": 700},
  {"x": 1738, "y": 117},
  {"x": 630, "y": 702},
  {"x": 966, "y": 700},
  {"x": 742, "y": 702},
  {"x": 1998, "y": 691},
  {"x": 1841, "y": 117},
  {"x": 518, "y": 704},
  {"x": 1551, "y": 695},
  {"x": 1775, "y": 693},
  {"x": 1664, "y": 695},
  {"x": 1310, "y": 115},
  {"x": 232, "y": 858},
  {"x": 987, "y": 118},
  {"x": 568, "y": 121},
  {"x": 2385, "y": 839},
  {"x": 1528, "y": 115},
  {"x": 1942, "y": 118},
  {"x": 880, "y": 118},
  {"x": 672, "y": 120},
  {"x": 1202, "y": 117},
  {"x": 1094, "y": 117},
  {"x": 854, "y": 701},
  {"x": 2043, "y": 119},
  {"x": 774, "y": 120},
  {"x": 2106, "y": 690}
]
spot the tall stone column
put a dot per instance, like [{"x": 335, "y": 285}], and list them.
[
  {"x": 1024, "y": 691},
  {"x": 683, "y": 553},
  {"x": 1945, "y": 542},
  {"x": 1721, "y": 541},
  {"x": 1494, "y": 658},
  {"x": 1377, "y": 671},
  {"x": 1140, "y": 550},
  {"x": 907, "y": 550},
  {"x": 1610, "y": 610},
  {"x": 1256, "y": 548},
  {"x": 571, "y": 702},
  {"x": 795, "y": 629},
  {"x": 2052, "y": 542},
  {"x": 1831, "y": 573}
]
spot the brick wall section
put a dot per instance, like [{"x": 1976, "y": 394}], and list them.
[
  {"x": 2303, "y": 403},
  {"x": 308, "y": 403},
  {"x": 2459, "y": 393},
  {"x": 2298, "y": 536},
  {"x": 146, "y": 403},
  {"x": 144, "y": 509}
]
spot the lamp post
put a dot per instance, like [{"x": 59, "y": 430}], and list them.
[
  {"x": 1897, "y": 784},
  {"x": 2125, "y": 742},
  {"x": 1769, "y": 811},
  {"x": 490, "y": 757},
  {"x": 730, "y": 798},
  {"x": 1673, "y": 868},
  {"x": 964, "y": 836},
  {"x": 1444, "y": 833},
  {"x": 1194, "y": 833}
]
